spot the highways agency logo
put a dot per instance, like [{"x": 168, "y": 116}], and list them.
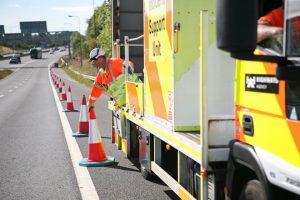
[{"x": 261, "y": 83}]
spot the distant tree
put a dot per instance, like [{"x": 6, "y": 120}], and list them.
[
  {"x": 75, "y": 44},
  {"x": 98, "y": 34},
  {"x": 99, "y": 29}
]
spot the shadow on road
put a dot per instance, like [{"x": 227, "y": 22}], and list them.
[
  {"x": 172, "y": 195},
  {"x": 116, "y": 166}
]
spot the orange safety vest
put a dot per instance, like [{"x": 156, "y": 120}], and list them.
[
  {"x": 274, "y": 18},
  {"x": 103, "y": 80}
]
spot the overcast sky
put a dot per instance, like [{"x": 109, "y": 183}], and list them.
[{"x": 55, "y": 12}]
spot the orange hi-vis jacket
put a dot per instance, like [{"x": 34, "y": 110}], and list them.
[
  {"x": 105, "y": 77},
  {"x": 274, "y": 18}
]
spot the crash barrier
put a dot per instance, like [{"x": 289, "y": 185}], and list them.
[
  {"x": 92, "y": 78},
  {"x": 23, "y": 53}
]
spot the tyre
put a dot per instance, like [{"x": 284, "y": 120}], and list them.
[
  {"x": 253, "y": 190},
  {"x": 145, "y": 173}
]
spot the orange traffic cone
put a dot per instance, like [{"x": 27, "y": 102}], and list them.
[
  {"x": 70, "y": 106},
  {"x": 55, "y": 80},
  {"x": 63, "y": 92},
  {"x": 83, "y": 127},
  {"x": 96, "y": 154},
  {"x": 57, "y": 83},
  {"x": 60, "y": 86}
]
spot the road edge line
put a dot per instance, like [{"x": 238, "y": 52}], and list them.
[{"x": 84, "y": 180}]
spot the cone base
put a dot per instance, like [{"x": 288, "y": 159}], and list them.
[
  {"x": 65, "y": 110},
  {"x": 85, "y": 163},
  {"x": 78, "y": 134}
]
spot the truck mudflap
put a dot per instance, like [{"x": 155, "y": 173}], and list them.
[{"x": 243, "y": 155}]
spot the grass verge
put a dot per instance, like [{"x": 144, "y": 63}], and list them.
[
  {"x": 78, "y": 78},
  {"x": 86, "y": 69},
  {"x": 5, "y": 73}
]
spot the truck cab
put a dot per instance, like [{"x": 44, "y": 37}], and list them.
[{"x": 264, "y": 159}]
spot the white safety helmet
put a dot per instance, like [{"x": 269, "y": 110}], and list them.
[{"x": 95, "y": 53}]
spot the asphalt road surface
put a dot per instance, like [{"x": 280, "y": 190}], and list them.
[{"x": 35, "y": 161}]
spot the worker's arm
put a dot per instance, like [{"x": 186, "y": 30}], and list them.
[
  {"x": 264, "y": 32},
  {"x": 96, "y": 90}
]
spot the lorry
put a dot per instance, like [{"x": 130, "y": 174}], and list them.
[
  {"x": 209, "y": 125},
  {"x": 36, "y": 53}
]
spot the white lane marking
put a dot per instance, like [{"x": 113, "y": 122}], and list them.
[
  {"x": 10, "y": 90},
  {"x": 16, "y": 87},
  {"x": 85, "y": 183},
  {"x": 1, "y": 95}
]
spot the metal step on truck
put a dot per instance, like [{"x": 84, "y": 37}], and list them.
[{"x": 209, "y": 125}]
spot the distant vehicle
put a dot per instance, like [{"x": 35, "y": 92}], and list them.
[
  {"x": 36, "y": 53},
  {"x": 18, "y": 57},
  {"x": 13, "y": 60},
  {"x": 51, "y": 51}
]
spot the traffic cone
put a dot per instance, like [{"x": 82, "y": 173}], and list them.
[
  {"x": 83, "y": 127},
  {"x": 60, "y": 86},
  {"x": 63, "y": 92},
  {"x": 55, "y": 79},
  {"x": 96, "y": 154},
  {"x": 70, "y": 106},
  {"x": 57, "y": 83}
]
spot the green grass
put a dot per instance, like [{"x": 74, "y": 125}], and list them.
[
  {"x": 5, "y": 73},
  {"x": 86, "y": 69},
  {"x": 78, "y": 78}
]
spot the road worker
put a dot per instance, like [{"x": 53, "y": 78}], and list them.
[
  {"x": 270, "y": 25},
  {"x": 110, "y": 78}
]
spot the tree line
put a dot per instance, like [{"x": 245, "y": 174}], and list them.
[{"x": 98, "y": 33}]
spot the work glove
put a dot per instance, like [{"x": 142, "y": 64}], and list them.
[{"x": 90, "y": 105}]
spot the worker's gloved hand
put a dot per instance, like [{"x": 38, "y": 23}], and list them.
[{"x": 90, "y": 105}]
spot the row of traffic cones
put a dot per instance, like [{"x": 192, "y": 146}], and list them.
[
  {"x": 86, "y": 127},
  {"x": 60, "y": 85}
]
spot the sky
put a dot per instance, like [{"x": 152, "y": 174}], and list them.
[{"x": 55, "y": 12}]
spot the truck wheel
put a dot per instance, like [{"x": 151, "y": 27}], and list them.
[
  {"x": 253, "y": 190},
  {"x": 145, "y": 173}
]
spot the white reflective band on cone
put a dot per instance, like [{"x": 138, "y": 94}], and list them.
[
  {"x": 93, "y": 133},
  {"x": 69, "y": 97},
  {"x": 83, "y": 113}
]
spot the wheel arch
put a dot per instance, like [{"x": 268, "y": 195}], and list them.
[{"x": 244, "y": 165}]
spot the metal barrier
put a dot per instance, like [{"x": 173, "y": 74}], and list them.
[
  {"x": 127, "y": 45},
  {"x": 92, "y": 78}
]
